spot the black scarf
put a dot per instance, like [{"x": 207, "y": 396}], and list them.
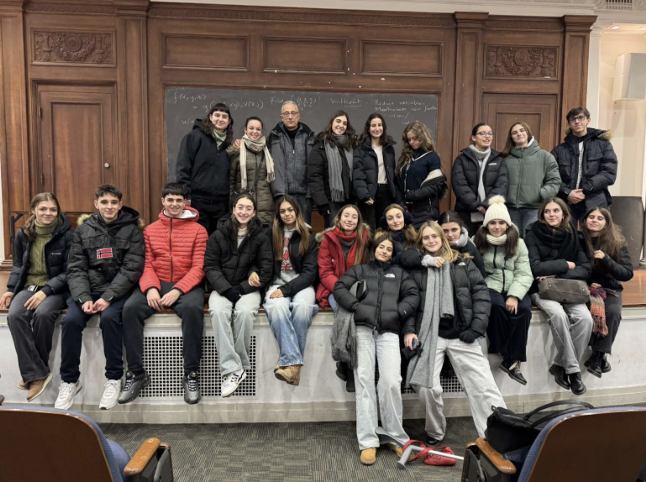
[{"x": 563, "y": 240}]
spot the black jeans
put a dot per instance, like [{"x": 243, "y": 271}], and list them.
[
  {"x": 613, "y": 306},
  {"x": 306, "y": 206},
  {"x": 372, "y": 213},
  {"x": 210, "y": 212},
  {"x": 32, "y": 332},
  {"x": 75, "y": 322},
  {"x": 189, "y": 307},
  {"x": 507, "y": 332}
]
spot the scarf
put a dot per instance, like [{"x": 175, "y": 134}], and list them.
[
  {"x": 563, "y": 240},
  {"x": 219, "y": 137},
  {"x": 346, "y": 239},
  {"x": 344, "y": 334},
  {"x": 37, "y": 271},
  {"x": 242, "y": 233},
  {"x": 335, "y": 167},
  {"x": 438, "y": 304},
  {"x": 482, "y": 156},
  {"x": 462, "y": 240},
  {"x": 598, "y": 311},
  {"x": 254, "y": 146},
  {"x": 499, "y": 241}
]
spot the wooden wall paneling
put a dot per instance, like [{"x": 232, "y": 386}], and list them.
[
  {"x": 575, "y": 65},
  {"x": 14, "y": 153},
  {"x": 133, "y": 102}
]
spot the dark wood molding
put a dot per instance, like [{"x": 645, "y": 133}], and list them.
[{"x": 95, "y": 8}]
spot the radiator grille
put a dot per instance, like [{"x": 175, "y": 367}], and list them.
[{"x": 619, "y": 4}]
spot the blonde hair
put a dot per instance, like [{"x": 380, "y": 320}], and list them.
[
  {"x": 423, "y": 133},
  {"x": 446, "y": 252}
]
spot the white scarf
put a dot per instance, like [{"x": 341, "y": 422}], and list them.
[{"x": 254, "y": 146}]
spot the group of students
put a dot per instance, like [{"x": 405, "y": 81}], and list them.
[{"x": 433, "y": 291}]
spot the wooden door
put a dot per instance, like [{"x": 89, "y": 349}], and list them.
[{"x": 75, "y": 143}]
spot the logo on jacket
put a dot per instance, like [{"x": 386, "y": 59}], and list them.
[
  {"x": 104, "y": 253},
  {"x": 389, "y": 275}
]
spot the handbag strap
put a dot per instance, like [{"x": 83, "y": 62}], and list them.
[
  {"x": 420, "y": 455},
  {"x": 556, "y": 404},
  {"x": 577, "y": 406}
]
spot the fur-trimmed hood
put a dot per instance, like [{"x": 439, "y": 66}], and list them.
[
  {"x": 127, "y": 215},
  {"x": 599, "y": 133}
]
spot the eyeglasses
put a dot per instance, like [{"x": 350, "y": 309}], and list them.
[
  {"x": 485, "y": 134},
  {"x": 290, "y": 114},
  {"x": 579, "y": 118}
]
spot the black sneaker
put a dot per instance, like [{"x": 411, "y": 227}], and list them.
[
  {"x": 512, "y": 368},
  {"x": 192, "y": 388},
  {"x": 133, "y": 385},
  {"x": 432, "y": 442},
  {"x": 559, "y": 376}
]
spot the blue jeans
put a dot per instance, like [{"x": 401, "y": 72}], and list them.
[
  {"x": 522, "y": 218},
  {"x": 290, "y": 319},
  {"x": 333, "y": 304}
]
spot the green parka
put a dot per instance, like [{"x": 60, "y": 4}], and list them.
[
  {"x": 533, "y": 176},
  {"x": 257, "y": 184},
  {"x": 512, "y": 276}
]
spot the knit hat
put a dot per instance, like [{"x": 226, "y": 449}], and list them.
[{"x": 497, "y": 210}]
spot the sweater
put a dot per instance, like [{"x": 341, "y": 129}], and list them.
[{"x": 37, "y": 271}]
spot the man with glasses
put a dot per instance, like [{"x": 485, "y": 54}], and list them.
[
  {"x": 290, "y": 145},
  {"x": 587, "y": 164}
]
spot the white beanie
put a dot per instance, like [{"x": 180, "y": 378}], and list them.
[{"x": 497, "y": 210}]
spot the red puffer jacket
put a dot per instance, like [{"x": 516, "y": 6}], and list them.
[
  {"x": 332, "y": 263},
  {"x": 174, "y": 252}
]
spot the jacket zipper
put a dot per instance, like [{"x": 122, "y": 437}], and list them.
[
  {"x": 380, "y": 286},
  {"x": 170, "y": 242}
]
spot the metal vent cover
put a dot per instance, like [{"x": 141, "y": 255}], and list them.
[
  {"x": 619, "y": 4},
  {"x": 164, "y": 363}
]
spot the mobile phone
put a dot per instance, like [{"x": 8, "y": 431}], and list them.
[{"x": 415, "y": 343}]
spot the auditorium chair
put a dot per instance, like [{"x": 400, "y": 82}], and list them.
[
  {"x": 600, "y": 445},
  {"x": 46, "y": 444}
]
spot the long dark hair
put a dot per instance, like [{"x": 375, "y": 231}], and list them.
[
  {"x": 253, "y": 222},
  {"x": 450, "y": 217},
  {"x": 566, "y": 222},
  {"x": 511, "y": 245},
  {"x": 30, "y": 225},
  {"x": 611, "y": 240},
  {"x": 421, "y": 132},
  {"x": 209, "y": 127},
  {"x": 328, "y": 135},
  {"x": 278, "y": 232},
  {"x": 362, "y": 253},
  {"x": 510, "y": 142},
  {"x": 384, "y": 138},
  {"x": 409, "y": 230}
]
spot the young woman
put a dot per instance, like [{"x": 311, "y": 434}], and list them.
[
  {"x": 37, "y": 289},
  {"x": 478, "y": 173},
  {"x": 252, "y": 170},
  {"x": 453, "y": 313},
  {"x": 330, "y": 167},
  {"x": 374, "y": 171},
  {"x": 290, "y": 302},
  {"x": 398, "y": 223},
  {"x": 611, "y": 265},
  {"x": 419, "y": 171},
  {"x": 533, "y": 175},
  {"x": 203, "y": 165},
  {"x": 238, "y": 264},
  {"x": 458, "y": 236},
  {"x": 390, "y": 298},
  {"x": 341, "y": 247},
  {"x": 554, "y": 251},
  {"x": 509, "y": 278}
]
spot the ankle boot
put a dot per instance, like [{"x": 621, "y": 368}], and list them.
[
  {"x": 605, "y": 365},
  {"x": 559, "y": 376},
  {"x": 578, "y": 388},
  {"x": 594, "y": 363}
]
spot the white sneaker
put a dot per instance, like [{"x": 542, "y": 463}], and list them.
[
  {"x": 66, "y": 394},
  {"x": 231, "y": 381},
  {"x": 110, "y": 394}
]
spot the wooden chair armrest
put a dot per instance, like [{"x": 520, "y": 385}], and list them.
[
  {"x": 503, "y": 465},
  {"x": 139, "y": 461}
]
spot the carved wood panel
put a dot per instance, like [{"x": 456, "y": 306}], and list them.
[
  {"x": 75, "y": 47},
  {"x": 510, "y": 61}
]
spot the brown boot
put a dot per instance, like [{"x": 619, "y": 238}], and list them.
[
  {"x": 22, "y": 385},
  {"x": 290, "y": 374},
  {"x": 369, "y": 456},
  {"x": 37, "y": 387}
]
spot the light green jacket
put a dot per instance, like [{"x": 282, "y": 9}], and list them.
[
  {"x": 512, "y": 276},
  {"x": 533, "y": 176}
]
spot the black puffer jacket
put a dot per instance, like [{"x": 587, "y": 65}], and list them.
[
  {"x": 318, "y": 175},
  {"x": 106, "y": 258},
  {"x": 56, "y": 252},
  {"x": 465, "y": 176},
  {"x": 227, "y": 265},
  {"x": 599, "y": 166},
  {"x": 606, "y": 271},
  {"x": 391, "y": 296},
  {"x": 306, "y": 267},
  {"x": 203, "y": 168},
  {"x": 470, "y": 292},
  {"x": 365, "y": 177}
]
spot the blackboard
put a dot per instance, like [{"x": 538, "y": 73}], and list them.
[{"x": 185, "y": 104}]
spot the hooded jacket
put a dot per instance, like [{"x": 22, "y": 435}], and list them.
[
  {"x": 533, "y": 176},
  {"x": 318, "y": 175},
  {"x": 290, "y": 168},
  {"x": 106, "y": 258},
  {"x": 465, "y": 177},
  {"x": 423, "y": 186},
  {"x": 57, "y": 251},
  {"x": 365, "y": 177},
  {"x": 470, "y": 293},
  {"x": 391, "y": 296},
  {"x": 599, "y": 166},
  {"x": 509, "y": 276},
  {"x": 174, "y": 252},
  {"x": 203, "y": 167},
  {"x": 227, "y": 265},
  {"x": 257, "y": 184},
  {"x": 306, "y": 266}
]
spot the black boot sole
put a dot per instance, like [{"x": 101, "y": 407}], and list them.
[
  {"x": 558, "y": 382},
  {"x": 596, "y": 373}
]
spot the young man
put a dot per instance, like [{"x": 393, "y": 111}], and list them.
[
  {"x": 172, "y": 278},
  {"x": 106, "y": 261},
  {"x": 587, "y": 164}
]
